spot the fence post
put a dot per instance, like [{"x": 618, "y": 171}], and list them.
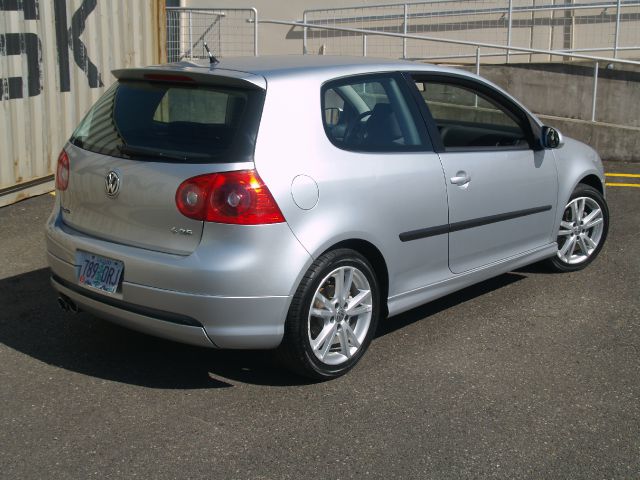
[
  {"x": 595, "y": 93},
  {"x": 475, "y": 103},
  {"x": 364, "y": 45},
  {"x": 404, "y": 28},
  {"x": 509, "y": 27},
  {"x": 615, "y": 44},
  {"x": 190, "y": 37},
  {"x": 304, "y": 33},
  {"x": 255, "y": 31}
]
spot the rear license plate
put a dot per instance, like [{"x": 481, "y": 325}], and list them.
[{"x": 99, "y": 272}]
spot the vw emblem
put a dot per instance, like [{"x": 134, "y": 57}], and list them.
[{"x": 112, "y": 184}]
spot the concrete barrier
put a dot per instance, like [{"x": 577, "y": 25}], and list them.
[{"x": 561, "y": 94}]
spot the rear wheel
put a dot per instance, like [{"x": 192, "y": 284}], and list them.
[
  {"x": 583, "y": 230},
  {"x": 333, "y": 316}
]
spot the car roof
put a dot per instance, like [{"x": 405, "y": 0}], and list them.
[
  {"x": 261, "y": 70},
  {"x": 324, "y": 66}
]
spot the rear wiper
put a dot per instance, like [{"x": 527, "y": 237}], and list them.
[{"x": 153, "y": 153}]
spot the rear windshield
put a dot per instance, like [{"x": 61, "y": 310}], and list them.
[{"x": 175, "y": 123}]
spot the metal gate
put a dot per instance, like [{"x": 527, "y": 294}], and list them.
[{"x": 227, "y": 31}]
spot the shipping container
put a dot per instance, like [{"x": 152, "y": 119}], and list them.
[{"x": 56, "y": 58}]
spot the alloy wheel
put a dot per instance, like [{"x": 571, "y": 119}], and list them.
[
  {"x": 340, "y": 315},
  {"x": 580, "y": 230}
]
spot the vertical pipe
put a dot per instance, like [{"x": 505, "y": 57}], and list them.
[
  {"x": 404, "y": 29},
  {"x": 364, "y": 45},
  {"x": 568, "y": 29},
  {"x": 532, "y": 30},
  {"x": 595, "y": 93},
  {"x": 255, "y": 32},
  {"x": 304, "y": 33},
  {"x": 509, "y": 27},
  {"x": 615, "y": 44},
  {"x": 190, "y": 37},
  {"x": 475, "y": 103},
  {"x": 552, "y": 29}
]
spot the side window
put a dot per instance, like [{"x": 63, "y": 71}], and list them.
[
  {"x": 469, "y": 120},
  {"x": 372, "y": 113}
]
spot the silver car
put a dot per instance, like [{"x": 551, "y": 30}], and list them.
[{"x": 290, "y": 203}]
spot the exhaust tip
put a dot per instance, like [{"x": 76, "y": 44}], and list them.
[
  {"x": 63, "y": 304},
  {"x": 67, "y": 304},
  {"x": 72, "y": 306}
]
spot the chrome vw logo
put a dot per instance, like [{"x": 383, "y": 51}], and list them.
[{"x": 112, "y": 184}]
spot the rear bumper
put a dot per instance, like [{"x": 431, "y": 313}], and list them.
[
  {"x": 206, "y": 315},
  {"x": 190, "y": 334}
]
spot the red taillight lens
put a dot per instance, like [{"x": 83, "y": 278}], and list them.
[
  {"x": 62, "y": 171},
  {"x": 231, "y": 197}
]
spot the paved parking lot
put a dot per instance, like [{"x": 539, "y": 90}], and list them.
[{"x": 529, "y": 375}]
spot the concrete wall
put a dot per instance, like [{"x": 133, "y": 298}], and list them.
[
  {"x": 562, "y": 95},
  {"x": 566, "y": 90},
  {"x": 612, "y": 142}
]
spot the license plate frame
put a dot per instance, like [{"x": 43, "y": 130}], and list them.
[{"x": 99, "y": 272}]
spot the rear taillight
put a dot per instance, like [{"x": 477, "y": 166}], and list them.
[
  {"x": 230, "y": 197},
  {"x": 62, "y": 171}
]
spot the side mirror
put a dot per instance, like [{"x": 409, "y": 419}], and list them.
[{"x": 551, "y": 138}]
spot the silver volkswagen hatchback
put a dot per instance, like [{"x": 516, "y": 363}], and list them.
[{"x": 289, "y": 203}]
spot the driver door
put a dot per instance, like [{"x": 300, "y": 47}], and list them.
[{"x": 502, "y": 193}]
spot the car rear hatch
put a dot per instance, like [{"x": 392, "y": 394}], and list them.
[{"x": 151, "y": 131}]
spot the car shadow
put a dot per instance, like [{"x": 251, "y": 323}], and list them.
[
  {"x": 32, "y": 323},
  {"x": 398, "y": 322}
]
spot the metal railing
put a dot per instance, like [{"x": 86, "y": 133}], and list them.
[
  {"x": 570, "y": 26},
  {"x": 364, "y": 35},
  {"x": 227, "y": 32}
]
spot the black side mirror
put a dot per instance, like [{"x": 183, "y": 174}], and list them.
[{"x": 551, "y": 138}]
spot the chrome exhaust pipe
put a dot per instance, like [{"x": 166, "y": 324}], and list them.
[
  {"x": 67, "y": 304},
  {"x": 63, "y": 304},
  {"x": 73, "y": 308}
]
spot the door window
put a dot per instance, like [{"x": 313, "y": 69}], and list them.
[{"x": 468, "y": 119}]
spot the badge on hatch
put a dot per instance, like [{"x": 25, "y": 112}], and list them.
[
  {"x": 181, "y": 231},
  {"x": 112, "y": 184}
]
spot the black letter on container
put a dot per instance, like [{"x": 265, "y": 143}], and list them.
[
  {"x": 70, "y": 38},
  {"x": 22, "y": 44}
]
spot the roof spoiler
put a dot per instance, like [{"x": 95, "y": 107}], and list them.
[{"x": 190, "y": 72}]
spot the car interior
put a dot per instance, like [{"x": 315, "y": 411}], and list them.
[{"x": 370, "y": 116}]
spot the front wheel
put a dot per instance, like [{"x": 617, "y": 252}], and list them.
[
  {"x": 333, "y": 316},
  {"x": 583, "y": 230}
]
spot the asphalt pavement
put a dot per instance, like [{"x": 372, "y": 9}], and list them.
[{"x": 528, "y": 375}]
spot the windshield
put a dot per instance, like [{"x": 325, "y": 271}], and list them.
[{"x": 173, "y": 123}]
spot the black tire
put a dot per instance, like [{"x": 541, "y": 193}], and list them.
[
  {"x": 295, "y": 351},
  {"x": 556, "y": 263}
]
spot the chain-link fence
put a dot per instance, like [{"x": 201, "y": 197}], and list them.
[
  {"x": 228, "y": 32},
  {"x": 611, "y": 28}
]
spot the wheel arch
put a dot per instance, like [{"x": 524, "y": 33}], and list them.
[
  {"x": 375, "y": 258},
  {"x": 593, "y": 181}
]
